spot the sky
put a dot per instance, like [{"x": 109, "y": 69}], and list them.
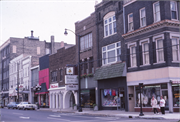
[{"x": 44, "y": 17}]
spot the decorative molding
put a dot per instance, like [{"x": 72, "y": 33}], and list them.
[{"x": 152, "y": 26}]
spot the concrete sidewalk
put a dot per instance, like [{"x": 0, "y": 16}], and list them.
[{"x": 117, "y": 113}]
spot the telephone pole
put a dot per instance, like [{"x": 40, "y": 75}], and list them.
[{"x": 18, "y": 81}]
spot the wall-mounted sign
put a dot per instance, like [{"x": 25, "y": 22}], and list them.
[
  {"x": 55, "y": 85},
  {"x": 175, "y": 81},
  {"x": 71, "y": 79},
  {"x": 69, "y": 70},
  {"x": 71, "y": 87}
]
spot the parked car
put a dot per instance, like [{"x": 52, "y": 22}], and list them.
[
  {"x": 12, "y": 105},
  {"x": 1, "y": 105},
  {"x": 26, "y": 105}
]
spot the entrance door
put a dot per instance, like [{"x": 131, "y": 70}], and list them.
[
  {"x": 164, "y": 93},
  {"x": 72, "y": 100}
]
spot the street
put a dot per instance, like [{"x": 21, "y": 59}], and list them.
[{"x": 14, "y": 115}]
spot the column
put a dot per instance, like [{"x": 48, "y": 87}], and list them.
[
  {"x": 50, "y": 101},
  {"x": 170, "y": 97},
  {"x": 57, "y": 101},
  {"x": 88, "y": 65}
]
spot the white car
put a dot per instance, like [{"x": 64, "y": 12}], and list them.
[{"x": 26, "y": 105}]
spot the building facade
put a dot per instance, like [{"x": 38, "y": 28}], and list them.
[{"x": 151, "y": 36}]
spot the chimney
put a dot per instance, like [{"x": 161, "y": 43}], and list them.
[
  {"x": 32, "y": 33},
  {"x": 52, "y": 45},
  {"x": 62, "y": 44},
  {"x": 96, "y": 2}
]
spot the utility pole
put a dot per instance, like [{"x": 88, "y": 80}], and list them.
[{"x": 18, "y": 81}]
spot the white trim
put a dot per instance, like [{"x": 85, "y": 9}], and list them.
[
  {"x": 158, "y": 36},
  {"x": 175, "y": 61},
  {"x": 59, "y": 88},
  {"x": 154, "y": 11},
  {"x": 132, "y": 67},
  {"x": 174, "y": 34},
  {"x": 176, "y": 10},
  {"x": 131, "y": 1},
  {"x": 140, "y": 17},
  {"x": 144, "y": 40},
  {"x": 130, "y": 44},
  {"x": 159, "y": 62},
  {"x": 34, "y": 67},
  {"x": 145, "y": 65}
]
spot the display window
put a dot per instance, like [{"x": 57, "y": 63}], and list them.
[
  {"x": 88, "y": 98},
  {"x": 176, "y": 95},
  {"x": 113, "y": 97}
]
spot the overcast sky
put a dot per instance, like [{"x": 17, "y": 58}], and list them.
[{"x": 44, "y": 17}]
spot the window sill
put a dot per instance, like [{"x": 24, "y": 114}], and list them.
[
  {"x": 130, "y": 31},
  {"x": 175, "y": 20},
  {"x": 159, "y": 63},
  {"x": 110, "y": 35},
  {"x": 111, "y": 63},
  {"x": 175, "y": 61},
  {"x": 87, "y": 49},
  {"x": 132, "y": 67},
  {"x": 145, "y": 65}
]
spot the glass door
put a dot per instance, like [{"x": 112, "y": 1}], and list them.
[{"x": 164, "y": 93}]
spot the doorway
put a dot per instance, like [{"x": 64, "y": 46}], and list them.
[
  {"x": 72, "y": 100},
  {"x": 164, "y": 93}
]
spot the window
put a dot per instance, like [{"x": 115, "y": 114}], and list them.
[
  {"x": 14, "y": 48},
  {"x": 142, "y": 17},
  {"x": 173, "y": 9},
  {"x": 156, "y": 9},
  {"x": 133, "y": 55},
  {"x": 86, "y": 41},
  {"x": 145, "y": 52},
  {"x": 38, "y": 50},
  {"x": 130, "y": 22},
  {"x": 61, "y": 74},
  {"x": 47, "y": 51},
  {"x": 159, "y": 50},
  {"x": 109, "y": 24},
  {"x": 54, "y": 76},
  {"x": 111, "y": 53},
  {"x": 175, "y": 48}
]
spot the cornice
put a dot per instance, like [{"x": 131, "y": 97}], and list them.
[{"x": 152, "y": 26}]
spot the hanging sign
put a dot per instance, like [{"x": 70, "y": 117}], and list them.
[
  {"x": 55, "y": 85},
  {"x": 69, "y": 70},
  {"x": 71, "y": 79},
  {"x": 71, "y": 87}
]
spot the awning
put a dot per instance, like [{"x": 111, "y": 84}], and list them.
[
  {"x": 43, "y": 89},
  {"x": 111, "y": 71}
]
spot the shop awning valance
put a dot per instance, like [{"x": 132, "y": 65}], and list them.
[
  {"x": 43, "y": 89},
  {"x": 110, "y": 71}
]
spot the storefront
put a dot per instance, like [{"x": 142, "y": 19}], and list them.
[
  {"x": 88, "y": 98},
  {"x": 112, "y": 87},
  {"x": 176, "y": 95}
]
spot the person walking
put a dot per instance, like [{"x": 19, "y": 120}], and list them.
[
  {"x": 154, "y": 105},
  {"x": 162, "y": 105}
]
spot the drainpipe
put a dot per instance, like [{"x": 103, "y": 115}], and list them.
[{"x": 124, "y": 20}]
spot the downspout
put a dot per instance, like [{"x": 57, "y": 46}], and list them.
[{"x": 124, "y": 20}]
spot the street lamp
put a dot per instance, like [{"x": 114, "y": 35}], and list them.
[
  {"x": 140, "y": 86},
  {"x": 79, "y": 80},
  {"x": 18, "y": 81}
]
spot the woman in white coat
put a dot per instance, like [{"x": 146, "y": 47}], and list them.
[
  {"x": 162, "y": 105},
  {"x": 154, "y": 105}
]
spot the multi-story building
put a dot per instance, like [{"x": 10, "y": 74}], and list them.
[
  {"x": 61, "y": 95},
  {"x": 14, "y": 47},
  {"x": 151, "y": 36},
  {"x": 88, "y": 58}
]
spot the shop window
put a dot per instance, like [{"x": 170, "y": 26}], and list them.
[
  {"x": 113, "y": 97},
  {"x": 88, "y": 98},
  {"x": 176, "y": 95},
  {"x": 146, "y": 95}
]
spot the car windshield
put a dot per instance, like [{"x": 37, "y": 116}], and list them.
[
  {"x": 12, "y": 103},
  {"x": 25, "y": 102}
]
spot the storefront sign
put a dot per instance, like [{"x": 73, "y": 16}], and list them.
[
  {"x": 54, "y": 85},
  {"x": 71, "y": 87},
  {"x": 69, "y": 70},
  {"x": 175, "y": 81},
  {"x": 71, "y": 79}
]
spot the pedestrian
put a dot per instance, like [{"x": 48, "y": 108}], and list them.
[
  {"x": 154, "y": 105},
  {"x": 162, "y": 105}
]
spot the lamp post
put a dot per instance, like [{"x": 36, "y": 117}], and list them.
[
  {"x": 79, "y": 80},
  {"x": 140, "y": 86},
  {"x": 18, "y": 81}
]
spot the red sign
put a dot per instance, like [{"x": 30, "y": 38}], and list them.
[
  {"x": 175, "y": 81},
  {"x": 54, "y": 85}
]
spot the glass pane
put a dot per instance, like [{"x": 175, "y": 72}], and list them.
[
  {"x": 173, "y": 6},
  {"x": 160, "y": 43},
  {"x": 160, "y": 55},
  {"x": 109, "y": 19},
  {"x": 157, "y": 7},
  {"x": 146, "y": 47},
  {"x": 118, "y": 44},
  {"x": 111, "y": 46},
  {"x": 119, "y": 51},
  {"x": 111, "y": 56},
  {"x": 114, "y": 26},
  {"x": 104, "y": 48},
  {"x": 114, "y": 18},
  {"x": 105, "y": 21},
  {"x": 142, "y": 12},
  {"x": 110, "y": 28},
  {"x": 106, "y": 29},
  {"x": 173, "y": 14},
  {"x": 104, "y": 58},
  {"x": 131, "y": 18}
]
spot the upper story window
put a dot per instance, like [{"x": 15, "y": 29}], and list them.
[
  {"x": 54, "y": 76},
  {"x": 173, "y": 5},
  {"x": 156, "y": 10},
  {"x": 130, "y": 22},
  {"x": 133, "y": 56},
  {"x": 86, "y": 42},
  {"x": 175, "y": 38},
  {"x": 145, "y": 51},
  {"x": 61, "y": 74},
  {"x": 111, "y": 53},
  {"x": 109, "y": 24},
  {"x": 142, "y": 17}
]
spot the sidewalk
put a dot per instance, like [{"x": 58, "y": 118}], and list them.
[{"x": 117, "y": 113}]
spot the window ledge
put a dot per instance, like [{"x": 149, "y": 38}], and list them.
[
  {"x": 132, "y": 67},
  {"x": 145, "y": 65},
  {"x": 175, "y": 61},
  {"x": 175, "y": 20},
  {"x": 87, "y": 49},
  {"x": 110, "y": 35},
  {"x": 159, "y": 62}
]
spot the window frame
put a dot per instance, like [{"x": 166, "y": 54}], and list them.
[
  {"x": 158, "y": 50},
  {"x": 154, "y": 13},
  {"x": 86, "y": 41},
  {"x": 176, "y": 10},
  {"x": 130, "y": 23},
  {"x": 140, "y": 13},
  {"x": 108, "y": 50},
  {"x": 142, "y": 42},
  {"x": 175, "y": 35}
]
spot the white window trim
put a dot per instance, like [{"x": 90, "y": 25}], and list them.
[
  {"x": 106, "y": 17},
  {"x": 140, "y": 17},
  {"x": 176, "y": 10},
  {"x": 158, "y": 36},
  {"x": 154, "y": 11},
  {"x": 157, "y": 52},
  {"x": 129, "y": 22},
  {"x": 107, "y": 54},
  {"x": 130, "y": 44},
  {"x": 141, "y": 43},
  {"x": 133, "y": 45},
  {"x": 178, "y": 48}
]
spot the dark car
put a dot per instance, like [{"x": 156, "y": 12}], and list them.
[{"x": 12, "y": 105}]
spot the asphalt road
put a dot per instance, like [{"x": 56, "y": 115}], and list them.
[{"x": 13, "y": 115}]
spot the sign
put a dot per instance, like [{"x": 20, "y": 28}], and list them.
[
  {"x": 69, "y": 70},
  {"x": 71, "y": 87},
  {"x": 54, "y": 85},
  {"x": 121, "y": 95},
  {"x": 71, "y": 79},
  {"x": 21, "y": 87},
  {"x": 175, "y": 81}
]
